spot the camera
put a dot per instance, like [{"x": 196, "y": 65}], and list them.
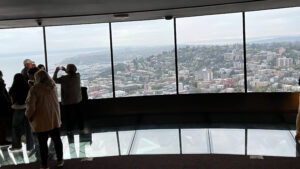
[
  {"x": 39, "y": 22},
  {"x": 168, "y": 17}
]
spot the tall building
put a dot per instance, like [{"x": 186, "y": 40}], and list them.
[
  {"x": 205, "y": 75},
  {"x": 284, "y": 62}
]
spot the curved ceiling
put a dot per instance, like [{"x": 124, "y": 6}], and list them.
[{"x": 16, "y": 13}]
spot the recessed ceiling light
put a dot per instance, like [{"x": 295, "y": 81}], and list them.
[{"x": 121, "y": 15}]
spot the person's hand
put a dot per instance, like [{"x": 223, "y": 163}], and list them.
[
  {"x": 57, "y": 69},
  {"x": 63, "y": 68}
]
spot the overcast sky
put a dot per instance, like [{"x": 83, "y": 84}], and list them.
[{"x": 153, "y": 33}]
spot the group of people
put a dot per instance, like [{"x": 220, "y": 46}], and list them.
[{"x": 33, "y": 101}]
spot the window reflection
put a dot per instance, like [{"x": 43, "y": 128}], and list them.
[
  {"x": 103, "y": 144},
  {"x": 166, "y": 141},
  {"x": 271, "y": 142},
  {"x": 228, "y": 141},
  {"x": 194, "y": 141},
  {"x": 126, "y": 138},
  {"x": 163, "y": 141}
]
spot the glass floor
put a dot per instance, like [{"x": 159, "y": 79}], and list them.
[{"x": 260, "y": 142}]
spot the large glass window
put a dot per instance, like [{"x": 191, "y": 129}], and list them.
[
  {"x": 86, "y": 46},
  {"x": 210, "y": 54},
  {"x": 16, "y": 46},
  {"x": 144, "y": 61},
  {"x": 273, "y": 50}
]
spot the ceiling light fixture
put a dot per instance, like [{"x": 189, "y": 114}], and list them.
[
  {"x": 121, "y": 15},
  {"x": 168, "y": 17},
  {"x": 39, "y": 22}
]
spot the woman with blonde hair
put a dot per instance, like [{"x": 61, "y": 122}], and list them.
[{"x": 44, "y": 115}]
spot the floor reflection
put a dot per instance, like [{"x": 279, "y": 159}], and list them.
[
  {"x": 271, "y": 143},
  {"x": 195, "y": 141},
  {"x": 159, "y": 141},
  {"x": 166, "y": 141},
  {"x": 227, "y": 141}
]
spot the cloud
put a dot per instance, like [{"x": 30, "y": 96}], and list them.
[
  {"x": 143, "y": 33},
  {"x": 152, "y": 33},
  {"x": 278, "y": 22}
]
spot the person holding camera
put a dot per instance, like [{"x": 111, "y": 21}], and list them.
[{"x": 70, "y": 96}]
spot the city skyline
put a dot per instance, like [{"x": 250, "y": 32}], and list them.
[{"x": 144, "y": 53}]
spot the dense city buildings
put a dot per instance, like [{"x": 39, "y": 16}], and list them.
[{"x": 271, "y": 67}]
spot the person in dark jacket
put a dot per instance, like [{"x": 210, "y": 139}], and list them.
[
  {"x": 30, "y": 74},
  {"x": 18, "y": 93},
  {"x": 6, "y": 111},
  {"x": 41, "y": 67}
]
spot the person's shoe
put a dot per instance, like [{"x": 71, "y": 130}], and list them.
[
  {"x": 43, "y": 167},
  {"x": 84, "y": 131},
  {"x": 60, "y": 163},
  {"x": 52, "y": 156},
  {"x": 23, "y": 139},
  {"x": 15, "y": 148}
]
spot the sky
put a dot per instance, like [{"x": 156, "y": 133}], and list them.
[{"x": 279, "y": 22}]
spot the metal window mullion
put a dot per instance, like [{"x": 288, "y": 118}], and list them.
[
  {"x": 176, "y": 56},
  {"x": 45, "y": 48},
  {"x": 112, "y": 61},
  {"x": 180, "y": 140},
  {"x": 209, "y": 140},
  {"x": 246, "y": 141},
  {"x": 245, "y": 53},
  {"x": 132, "y": 143},
  {"x": 296, "y": 143},
  {"x": 118, "y": 140}
]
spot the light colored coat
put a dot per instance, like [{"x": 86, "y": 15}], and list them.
[{"x": 43, "y": 110}]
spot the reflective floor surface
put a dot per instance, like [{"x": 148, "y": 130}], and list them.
[{"x": 261, "y": 142}]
